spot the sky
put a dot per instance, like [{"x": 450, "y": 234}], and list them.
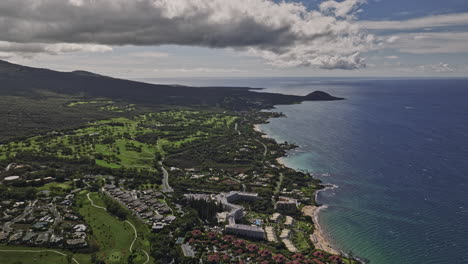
[{"x": 243, "y": 38}]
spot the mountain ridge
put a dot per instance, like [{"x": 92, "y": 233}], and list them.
[
  {"x": 35, "y": 100},
  {"x": 98, "y": 85}
]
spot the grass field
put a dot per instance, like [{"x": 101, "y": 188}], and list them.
[
  {"x": 31, "y": 257},
  {"x": 115, "y": 143},
  {"x": 25, "y": 255},
  {"x": 113, "y": 236},
  {"x": 65, "y": 186}
]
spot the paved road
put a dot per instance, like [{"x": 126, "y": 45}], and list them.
[
  {"x": 165, "y": 186},
  {"x": 235, "y": 127},
  {"x": 26, "y": 212},
  {"x": 57, "y": 218},
  {"x": 9, "y": 166},
  {"x": 238, "y": 181},
  {"x": 265, "y": 147},
  {"x": 40, "y": 251}
]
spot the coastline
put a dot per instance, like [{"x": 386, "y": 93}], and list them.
[
  {"x": 281, "y": 162},
  {"x": 319, "y": 237},
  {"x": 258, "y": 129}
]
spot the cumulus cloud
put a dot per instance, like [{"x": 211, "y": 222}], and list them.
[
  {"x": 341, "y": 9},
  {"x": 284, "y": 33}
]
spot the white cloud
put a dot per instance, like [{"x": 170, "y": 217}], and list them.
[
  {"x": 6, "y": 55},
  {"x": 423, "y": 41},
  {"x": 283, "y": 33},
  {"x": 392, "y": 57},
  {"x": 456, "y": 19},
  {"x": 150, "y": 54},
  {"x": 73, "y": 47},
  {"x": 76, "y": 2},
  {"x": 31, "y": 49},
  {"x": 438, "y": 68},
  {"x": 392, "y": 39},
  {"x": 430, "y": 43},
  {"x": 341, "y": 9}
]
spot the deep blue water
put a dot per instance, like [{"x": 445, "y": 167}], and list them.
[{"x": 397, "y": 149}]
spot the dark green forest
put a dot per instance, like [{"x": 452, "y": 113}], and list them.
[{"x": 33, "y": 101}]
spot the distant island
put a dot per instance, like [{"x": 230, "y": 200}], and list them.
[{"x": 95, "y": 169}]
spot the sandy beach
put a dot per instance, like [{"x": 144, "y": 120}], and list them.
[
  {"x": 257, "y": 128},
  {"x": 318, "y": 238},
  {"x": 280, "y": 161}
]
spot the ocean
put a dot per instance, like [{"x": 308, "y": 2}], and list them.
[{"x": 398, "y": 152}]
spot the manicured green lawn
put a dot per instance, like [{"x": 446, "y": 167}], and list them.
[
  {"x": 113, "y": 236},
  {"x": 113, "y": 143},
  {"x": 29, "y": 257},
  {"x": 63, "y": 186}
]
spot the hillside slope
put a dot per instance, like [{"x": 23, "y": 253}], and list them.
[{"x": 34, "y": 100}]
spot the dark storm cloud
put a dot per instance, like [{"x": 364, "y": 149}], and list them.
[{"x": 285, "y": 34}]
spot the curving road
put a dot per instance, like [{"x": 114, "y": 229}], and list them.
[
  {"x": 128, "y": 222},
  {"x": 134, "y": 240},
  {"x": 27, "y": 211},
  {"x": 236, "y": 128},
  {"x": 136, "y": 235},
  {"x": 92, "y": 202},
  {"x": 265, "y": 152},
  {"x": 165, "y": 186},
  {"x": 40, "y": 251}
]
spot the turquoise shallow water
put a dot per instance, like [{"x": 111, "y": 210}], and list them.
[
  {"x": 397, "y": 149},
  {"x": 399, "y": 154}
]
